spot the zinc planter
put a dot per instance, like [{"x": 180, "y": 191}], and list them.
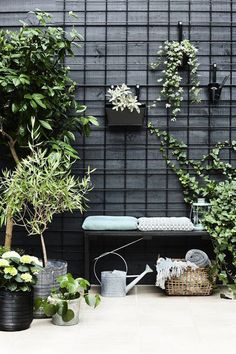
[
  {"x": 16, "y": 310},
  {"x": 47, "y": 280},
  {"x": 124, "y": 118},
  {"x": 73, "y": 305}
]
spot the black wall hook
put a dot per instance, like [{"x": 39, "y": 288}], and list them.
[
  {"x": 180, "y": 31},
  {"x": 137, "y": 91},
  {"x": 215, "y": 88}
]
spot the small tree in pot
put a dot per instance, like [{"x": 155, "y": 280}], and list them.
[{"x": 40, "y": 187}]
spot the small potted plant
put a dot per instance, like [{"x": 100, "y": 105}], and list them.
[
  {"x": 124, "y": 108},
  {"x": 63, "y": 305},
  {"x": 174, "y": 56},
  {"x": 18, "y": 274}
]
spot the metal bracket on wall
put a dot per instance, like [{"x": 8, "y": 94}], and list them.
[
  {"x": 180, "y": 31},
  {"x": 215, "y": 88}
]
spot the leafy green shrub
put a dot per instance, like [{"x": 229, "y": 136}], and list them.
[{"x": 40, "y": 187}]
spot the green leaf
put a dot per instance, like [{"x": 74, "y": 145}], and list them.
[
  {"x": 49, "y": 309},
  {"x": 38, "y": 303},
  {"x": 68, "y": 315},
  {"x": 14, "y": 108},
  {"x": 45, "y": 124}
]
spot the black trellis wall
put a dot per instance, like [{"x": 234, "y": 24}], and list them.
[{"x": 121, "y": 38}]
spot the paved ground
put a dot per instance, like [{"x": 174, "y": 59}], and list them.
[{"x": 144, "y": 322}]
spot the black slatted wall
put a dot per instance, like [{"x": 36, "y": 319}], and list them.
[{"x": 120, "y": 40}]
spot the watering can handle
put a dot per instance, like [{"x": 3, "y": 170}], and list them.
[{"x": 106, "y": 254}]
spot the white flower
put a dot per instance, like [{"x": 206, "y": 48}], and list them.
[
  {"x": 27, "y": 277},
  {"x": 168, "y": 105},
  {"x": 10, "y": 254},
  {"x": 4, "y": 263},
  {"x": 121, "y": 97}
]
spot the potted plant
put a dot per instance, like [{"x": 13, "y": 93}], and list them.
[
  {"x": 63, "y": 304},
  {"x": 34, "y": 82},
  {"x": 173, "y": 54},
  {"x": 40, "y": 187},
  {"x": 18, "y": 274},
  {"x": 124, "y": 108}
]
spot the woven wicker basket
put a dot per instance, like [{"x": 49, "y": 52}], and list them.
[{"x": 191, "y": 282}]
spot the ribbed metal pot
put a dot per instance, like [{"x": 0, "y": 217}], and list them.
[
  {"x": 47, "y": 280},
  {"x": 16, "y": 310},
  {"x": 74, "y": 305}
]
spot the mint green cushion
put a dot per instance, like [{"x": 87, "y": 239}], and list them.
[{"x": 105, "y": 222}]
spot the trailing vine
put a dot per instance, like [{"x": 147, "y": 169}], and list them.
[
  {"x": 172, "y": 55},
  {"x": 214, "y": 179}
]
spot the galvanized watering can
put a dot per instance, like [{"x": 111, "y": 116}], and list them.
[{"x": 113, "y": 283}]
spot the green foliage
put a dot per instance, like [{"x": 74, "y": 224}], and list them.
[
  {"x": 34, "y": 83},
  {"x": 59, "y": 300},
  {"x": 196, "y": 176},
  {"x": 18, "y": 273},
  {"x": 172, "y": 55},
  {"x": 40, "y": 187},
  {"x": 214, "y": 179},
  {"x": 220, "y": 222}
]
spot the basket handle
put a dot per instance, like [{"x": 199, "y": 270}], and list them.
[{"x": 106, "y": 254}]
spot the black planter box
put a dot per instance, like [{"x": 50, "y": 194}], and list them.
[{"x": 125, "y": 118}]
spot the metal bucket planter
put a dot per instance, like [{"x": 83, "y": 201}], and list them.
[
  {"x": 73, "y": 305},
  {"x": 47, "y": 280},
  {"x": 16, "y": 310},
  {"x": 125, "y": 118}
]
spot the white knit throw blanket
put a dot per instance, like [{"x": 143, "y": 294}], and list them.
[{"x": 168, "y": 268}]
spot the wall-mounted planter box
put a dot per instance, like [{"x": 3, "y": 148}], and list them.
[{"x": 125, "y": 118}]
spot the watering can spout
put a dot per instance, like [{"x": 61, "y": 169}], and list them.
[{"x": 138, "y": 278}]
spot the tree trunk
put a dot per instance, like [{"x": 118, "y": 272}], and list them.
[
  {"x": 8, "y": 235},
  {"x": 9, "y": 225},
  {"x": 44, "y": 251}
]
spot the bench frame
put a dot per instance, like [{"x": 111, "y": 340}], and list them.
[{"x": 146, "y": 235}]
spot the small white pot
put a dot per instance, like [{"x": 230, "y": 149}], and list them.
[{"x": 73, "y": 305}]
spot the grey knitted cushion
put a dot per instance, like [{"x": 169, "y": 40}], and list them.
[{"x": 165, "y": 224}]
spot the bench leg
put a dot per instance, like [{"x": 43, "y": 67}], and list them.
[{"x": 86, "y": 258}]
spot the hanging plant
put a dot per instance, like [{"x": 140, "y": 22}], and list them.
[{"x": 173, "y": 56}]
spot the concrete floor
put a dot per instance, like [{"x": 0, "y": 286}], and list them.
[{"x": 144, "y": 322}]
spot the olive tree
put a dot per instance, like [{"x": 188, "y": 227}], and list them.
[{"x": 40, "y": 187}]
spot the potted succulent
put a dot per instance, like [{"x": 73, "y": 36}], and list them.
[
  {"x": 18, "y": 274},
  {"x": 63, "y": 304},
  {"x": 40, "y": 187},
  {"x": 173, "y": 55},
  {"x": 124, "y": 108}
]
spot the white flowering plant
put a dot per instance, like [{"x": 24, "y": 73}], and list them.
[
  {"x": 122, "y": 97},
  {"x": 18, "y": 272},
  {"x": 172, "y": 55}
]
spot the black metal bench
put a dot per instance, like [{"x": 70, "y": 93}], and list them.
[{"x": 146, "y": 235}]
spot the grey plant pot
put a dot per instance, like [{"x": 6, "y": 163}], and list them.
[
  {"x": 47, "y": 280},
  {"x": 74, "y": 305},
  {"x": 124, "y": 118}
]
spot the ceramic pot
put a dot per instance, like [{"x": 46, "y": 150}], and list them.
[{"x": 16, "y": 310}]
